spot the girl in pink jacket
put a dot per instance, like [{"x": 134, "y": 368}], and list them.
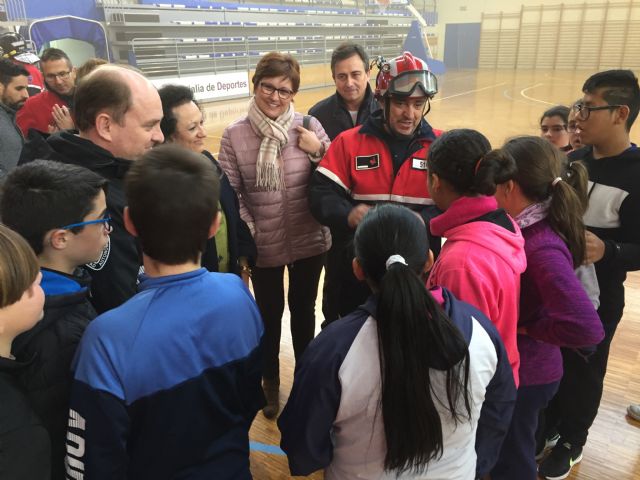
[{"x": 483, "y": 255}]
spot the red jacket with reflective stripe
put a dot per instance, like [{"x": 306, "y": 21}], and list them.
[{"x": 361, "y": 163}]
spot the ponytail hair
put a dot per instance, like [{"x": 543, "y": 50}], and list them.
[
  {"x": 539, "y": 164},
  {"x": 463, "y": 157},
  {"x": 414, "y": 335}
]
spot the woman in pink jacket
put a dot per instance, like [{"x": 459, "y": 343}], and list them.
[
  {"x": 483, "y": 256},
  {"x": 268, "y": 156}
]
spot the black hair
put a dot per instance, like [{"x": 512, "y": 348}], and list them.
[
  {"x": 173, "y": 196},
  {"x": 53, "y": 54},
  {"x": 414, "y": 335},
  {"x": 172, "y": 96},
  {"x": 347, "y": 50},
  {"x": 9, "y": 70},
  {"x": 619, "y": 87},
  {"x": 44, "y": 195},
  {"x": 539, "y": 164},
  {"x": 561, "y": 111},
  {"x": 464, "y": 158}
]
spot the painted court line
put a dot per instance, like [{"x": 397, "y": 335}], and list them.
[
  {"x": 469, "y": 91},
  {"x": 531, "y": 98},
  {"x": 263, "y": 447}
]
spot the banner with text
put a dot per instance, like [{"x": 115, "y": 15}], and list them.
[{"x": 210, "y": 86}]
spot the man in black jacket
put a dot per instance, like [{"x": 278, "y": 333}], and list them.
[
  {"x": 353, "y": 101},
  {"x": 349, "y": 107},
  {"x": 118, "y": 113}
]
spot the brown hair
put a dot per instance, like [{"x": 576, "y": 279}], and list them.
[
  {"x": 347, "y": 50},
  {"x": 276, "y": 64},
  {"x": 172, "y": 195},
  {"x": 104, "y": 89},
  {"x": 89, "y": 66},
  {"x": 18, "y": 266},
  {"x": 539, "y": 163}
]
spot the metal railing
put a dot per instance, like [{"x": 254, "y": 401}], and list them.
[
  {"x": 190, "y": 56},
  {"x": 15, "y": 11}
]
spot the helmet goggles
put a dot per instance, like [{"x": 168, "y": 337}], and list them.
[{"x": 407, "y": 82}]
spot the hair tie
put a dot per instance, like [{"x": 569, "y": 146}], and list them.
[
  {"x": 395, "y": 259},
  {"x": 556, "y": 180},
  {"x": 477, "y": 167}
]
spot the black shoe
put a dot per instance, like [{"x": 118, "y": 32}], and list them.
[
  {"x": 549, "y": 442},
  {"x": 272, "y": 394},
  {"x": 560, "y": 461}
]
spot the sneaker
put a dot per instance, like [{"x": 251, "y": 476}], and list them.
[
  {"x": 560, "y": 461},
  {"x": 634, "y": 411},
  {"x": 549, "y": 443}
]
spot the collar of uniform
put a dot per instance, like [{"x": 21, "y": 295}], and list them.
[{"x": 147, "y": 282}]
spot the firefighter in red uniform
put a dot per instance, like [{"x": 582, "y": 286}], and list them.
[
  {"x": 384, "y": 160},
  {"x": 13, "y": 47}
]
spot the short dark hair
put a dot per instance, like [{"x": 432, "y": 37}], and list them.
[
  {"x": 276, "y": 64},
  {"x": 172, "y": 195},
  {"x": 9, "y": 70},
  {"x": 561, "y": 111},
  {"x": 53, "y": 54},
  {"x": 620, "y": 87},
  {"x": 43, "y": 195},
  {"x": 172, "y": 96},
  {"x": 463, "y": 157},
  {"x": 18, "y": 266},
  {"x": 347, "y": 50},
  {"x": 104, "y": 89}
]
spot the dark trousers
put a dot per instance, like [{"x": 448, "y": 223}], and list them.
[
  {"x": 268, "y": 286},
  {"x": 574, "y": 408},
  {"x": 517, "y": 457},
  {"x": 342, "y": 292}
]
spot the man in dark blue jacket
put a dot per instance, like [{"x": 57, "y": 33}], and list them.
[
  {"x": 349, "y": 107},
  {"x": 353, "y": 101}
]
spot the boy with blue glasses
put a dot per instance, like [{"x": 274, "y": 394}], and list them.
[{"x": 60, "y": 210}]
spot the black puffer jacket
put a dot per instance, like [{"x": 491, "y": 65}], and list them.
[
  {"x": 24, "y": 444},
  {"x": 52, "y": 344},
  {"x": 334, "y": 115}
]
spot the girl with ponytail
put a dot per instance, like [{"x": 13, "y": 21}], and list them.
[
  {"x": 483, "y": 256},
  {"x": 396, "y": 389},
  {"x": 547, "y": 198}
]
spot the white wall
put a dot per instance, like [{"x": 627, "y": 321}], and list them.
[
  {"x": 470, "y": 11},
  {"x": 78, "y": 51}
]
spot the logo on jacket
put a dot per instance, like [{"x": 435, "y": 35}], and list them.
[
  {"x": 419, "y": 164},
  {"x": 104, "y": 256},
  {"x": 368, "y": 162}
]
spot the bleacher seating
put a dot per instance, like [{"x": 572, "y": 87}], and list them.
[{"x": 197, "y": 36}]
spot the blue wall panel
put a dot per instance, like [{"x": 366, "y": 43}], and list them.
[
  {"x": 51, "y": 8},
  {"x": 462, "y": 45}
]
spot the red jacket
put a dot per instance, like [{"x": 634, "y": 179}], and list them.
[
  {"x": 36, "y": 112},
  {"x": 361, "y": 164},
  {"x": 36, "y": 80}
]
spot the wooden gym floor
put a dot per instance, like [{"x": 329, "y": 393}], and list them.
[{"x": 500, "y": 104}]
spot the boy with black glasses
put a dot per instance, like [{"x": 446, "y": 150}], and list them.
[
  {"x": 603, "y": 119},
  {"x": 60, "y": 210}
]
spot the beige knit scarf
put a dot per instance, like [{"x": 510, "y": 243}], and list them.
[{"x": 269, "y": 174}]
